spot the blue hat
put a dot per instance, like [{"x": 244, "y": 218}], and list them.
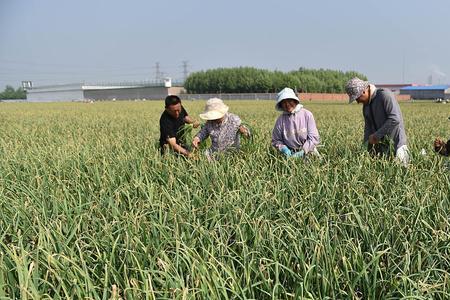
[{"x": 286, "y": 93}]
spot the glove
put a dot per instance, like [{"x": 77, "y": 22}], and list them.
[
  {"x": 299, "y": 154},
  {"x": 286, "y": 151}
]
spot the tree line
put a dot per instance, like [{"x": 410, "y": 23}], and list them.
[
  {"x": 253, "y": 80},
  {"x": 11, "y": 93}
]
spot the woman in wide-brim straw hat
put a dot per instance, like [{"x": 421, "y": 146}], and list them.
[
  {"x": 295, "y": 133},
  {"x": 221, "y": 126}
]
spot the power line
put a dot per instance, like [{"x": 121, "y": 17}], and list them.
[{"x": 24, "y": 65}]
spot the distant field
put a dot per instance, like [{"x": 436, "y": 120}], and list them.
[{"x": 88, "y": 209}]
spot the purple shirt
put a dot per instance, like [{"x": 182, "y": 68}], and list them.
[{"x": 297, "y": 131}]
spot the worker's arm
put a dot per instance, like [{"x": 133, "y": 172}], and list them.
[
  {"x": 177, "y": 148},
  {"x": 192, "y": 121}
]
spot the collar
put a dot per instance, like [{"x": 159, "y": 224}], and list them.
[
  {"x": 225, "y": 119},
  {"x": 373, "y": 92}
]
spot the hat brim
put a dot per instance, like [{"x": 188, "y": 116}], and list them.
[
  {"x": 212, "y": 115},
  {"x": 278, "y": 107},
  {"x": 292, "y": 98},
  {"x": 353, "y": 98}
]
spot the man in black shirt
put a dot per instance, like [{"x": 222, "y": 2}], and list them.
[{"x": 171, "y": 122}]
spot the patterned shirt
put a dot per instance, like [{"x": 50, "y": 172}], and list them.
[{"x": 224, "y": 135}]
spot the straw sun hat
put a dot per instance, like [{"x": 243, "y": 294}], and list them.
[{"x": 214, "y": 109}]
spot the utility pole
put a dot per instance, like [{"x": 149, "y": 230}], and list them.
[
  {"x": 158, "y": 73},
  {"x": 185, "y": 69}
]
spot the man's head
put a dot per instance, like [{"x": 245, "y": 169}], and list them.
[
  {"x": 173, "y": 106},
  {"x": 358, "y": 90}
]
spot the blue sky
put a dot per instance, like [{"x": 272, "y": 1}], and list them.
[{"x": 54, "y": 41}]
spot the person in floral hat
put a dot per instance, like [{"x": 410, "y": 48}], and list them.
[{"x": 383, "y": 121}]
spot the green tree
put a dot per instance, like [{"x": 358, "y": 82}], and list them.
[
  {"x": 20, "y": 93},
  {"x": 11, "y": 93},
  {"x": 253, "y": 80}
]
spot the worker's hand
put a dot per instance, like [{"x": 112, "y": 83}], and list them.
[
  {"x": 196, "y": 124},
  {"x": 244, "y": 131},
  {"x": 195, "y": 142},
  {"x": 286, "y": 151},
  {"x": 299, "y": 154},
  {"x": 373, "y": 139}
]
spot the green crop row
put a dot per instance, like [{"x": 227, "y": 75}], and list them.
[{"x": 89, "y": 209}]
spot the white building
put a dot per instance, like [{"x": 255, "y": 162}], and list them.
[{"x": 87, "y": 92}]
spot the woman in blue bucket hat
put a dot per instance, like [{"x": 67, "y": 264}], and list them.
[{"x": 295, "y": 133}]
